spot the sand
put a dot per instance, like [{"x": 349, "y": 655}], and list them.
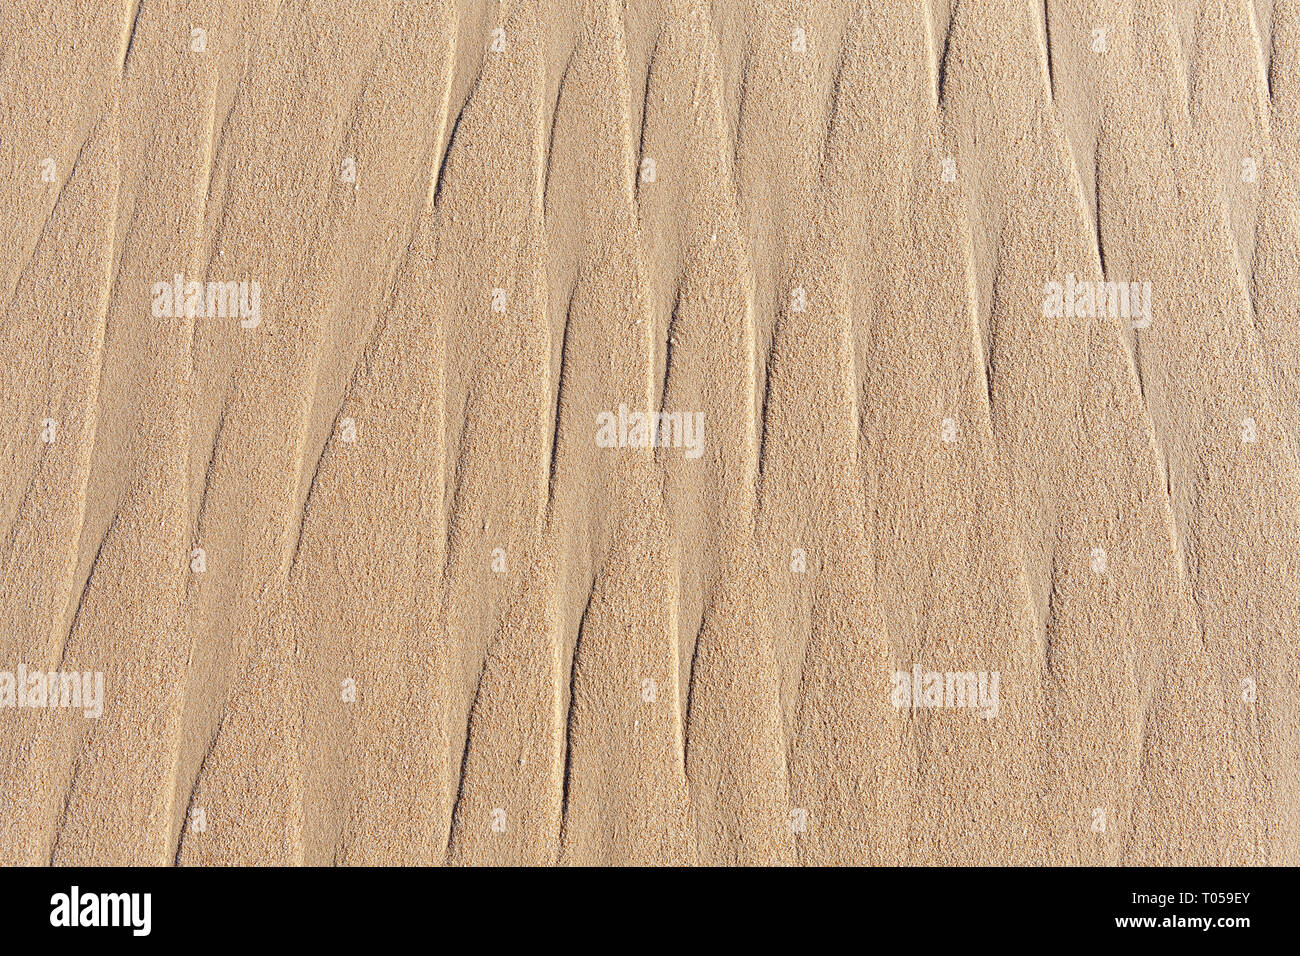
[{"x": 368, "y": 550}]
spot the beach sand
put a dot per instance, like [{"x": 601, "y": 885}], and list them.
[{"x": 971, "y": 534}]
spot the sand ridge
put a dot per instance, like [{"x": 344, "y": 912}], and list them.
[{"x": 365, "y": 584}]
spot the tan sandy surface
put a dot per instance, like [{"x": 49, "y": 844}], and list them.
[{"x": 363, "y": 584}]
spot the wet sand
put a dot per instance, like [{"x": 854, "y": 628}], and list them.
[{"x": 367, "y": 582}]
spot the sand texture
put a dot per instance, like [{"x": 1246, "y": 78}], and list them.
[{"x": 364, "y": 544}]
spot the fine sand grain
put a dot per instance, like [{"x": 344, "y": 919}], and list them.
[{"x": 947, "y": 552}]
